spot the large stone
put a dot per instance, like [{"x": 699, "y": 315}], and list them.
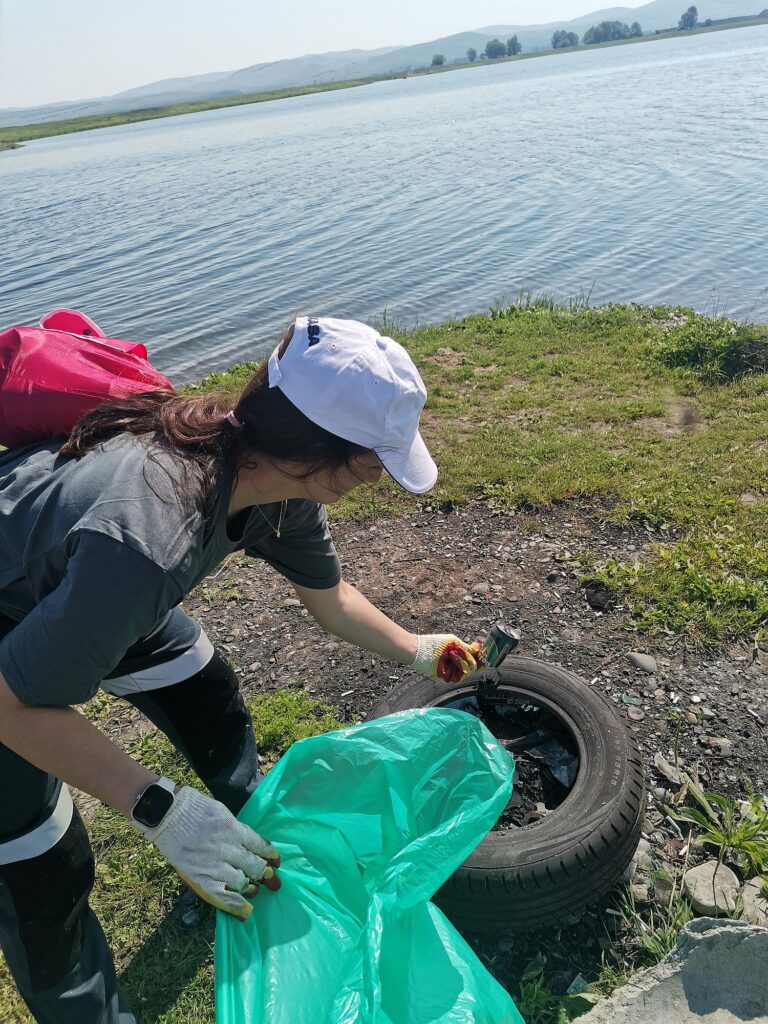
[
  {"x": 715, "y": 974},
  {"x": 755, "y": 902},
  {"x": 711, "y": 889},
  {"x": 645, "y": 662}
]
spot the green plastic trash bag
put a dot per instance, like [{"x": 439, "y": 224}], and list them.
[{"x": 369, "y": 822}]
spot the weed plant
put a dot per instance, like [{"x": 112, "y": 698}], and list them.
[
  {"x": 735, "y": 829},
  {"x": 539, "y": 1005},
  {"x": 717, "y": 348}
]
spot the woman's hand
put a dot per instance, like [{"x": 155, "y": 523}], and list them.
[
  {"x": 219, "y": 858},
  {"x": 443, "y": 656}
]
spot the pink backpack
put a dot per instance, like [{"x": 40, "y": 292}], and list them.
[{"x": 51, "y": 375}]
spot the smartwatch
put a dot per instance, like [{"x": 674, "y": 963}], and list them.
[{"x": 153, "y": 803}]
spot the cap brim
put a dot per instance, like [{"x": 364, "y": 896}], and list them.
[{"x": 413, "y": 468}]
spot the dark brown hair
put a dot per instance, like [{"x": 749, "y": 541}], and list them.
[{"x": 196, "y": 429}]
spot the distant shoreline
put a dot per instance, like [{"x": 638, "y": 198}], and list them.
[{"x": 14, "y": 136}]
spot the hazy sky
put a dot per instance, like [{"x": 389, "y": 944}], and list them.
[{"x": 53, "y": 50}]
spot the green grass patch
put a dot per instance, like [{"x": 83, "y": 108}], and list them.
[
  {"x": 286, "y": 716},
  {"x": 718, "y": 349},
  {"x": 229, "y": 382},
  {"x": 166, "y": 971},
  {"x": 711, "y": 585}
]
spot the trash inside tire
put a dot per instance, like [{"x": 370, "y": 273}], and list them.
[{"x": 529, "y": 874}]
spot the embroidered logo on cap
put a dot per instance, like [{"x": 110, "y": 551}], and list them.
[{"x": 313, "y": 331}]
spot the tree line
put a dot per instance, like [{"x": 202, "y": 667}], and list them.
[
  {"x": 610, "y": 31},
  {"x": 494, "y": 49},
  {"x": 604, "y": 32}
]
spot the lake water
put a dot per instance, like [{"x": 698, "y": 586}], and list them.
[{"x": 634, "y": 173}]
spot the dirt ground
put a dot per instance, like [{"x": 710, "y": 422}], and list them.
[{"x": 461, "y": 570}]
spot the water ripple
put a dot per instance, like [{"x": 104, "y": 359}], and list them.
[{"x": 633, "y": 173}]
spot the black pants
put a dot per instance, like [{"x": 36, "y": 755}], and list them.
[{"x": 52, "y": 941}]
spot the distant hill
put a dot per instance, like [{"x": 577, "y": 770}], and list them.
[
  {"x": 346, "y": 64},
  {"x": 658, "y": 14}
]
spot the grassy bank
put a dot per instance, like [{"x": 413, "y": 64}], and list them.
[
  {"x": 641, "y": 410},
  {"x": 14, "y": 136}
]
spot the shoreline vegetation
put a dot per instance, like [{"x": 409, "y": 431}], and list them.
[{"x": 13, "y": 136}]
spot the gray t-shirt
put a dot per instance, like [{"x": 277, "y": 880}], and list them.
[{"x": 96, "y": 554}]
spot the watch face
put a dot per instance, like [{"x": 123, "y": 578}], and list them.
[{"x": 152, "y": 806}]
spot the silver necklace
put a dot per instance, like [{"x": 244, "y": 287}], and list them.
[{"x": 280, "y": 520}]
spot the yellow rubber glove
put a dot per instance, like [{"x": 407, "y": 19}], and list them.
[{"x": 443, "y": 656}]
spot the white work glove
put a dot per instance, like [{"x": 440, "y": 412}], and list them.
[
  {"x": 219, "y": 858},
  {"x": 443, "y": 656}
]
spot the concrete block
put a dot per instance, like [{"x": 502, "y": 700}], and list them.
[{"x": 715, "y": 974}]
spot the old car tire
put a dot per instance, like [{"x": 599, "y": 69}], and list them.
[{"x": 532, "y": 877}]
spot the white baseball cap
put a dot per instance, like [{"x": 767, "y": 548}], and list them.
[{"x": 359, "y": 385}]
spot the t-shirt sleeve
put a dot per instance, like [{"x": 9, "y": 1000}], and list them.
[
  {"x": 304, "y": 552},
  {"x": 109, "y": 598}
]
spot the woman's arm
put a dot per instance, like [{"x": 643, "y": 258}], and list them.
[
  {"x": 343, "y": 611},
  {"x": 64, "y": 743}
]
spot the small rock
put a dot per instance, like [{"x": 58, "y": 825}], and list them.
[
  {"x": 711, "y": 889},
  {"x": 600, "y": 598},
  {"x": 691, "y": 717},
  {"x": 708, "y": 713},
  {"x": 540, "y": 811},
  {"x": 750, "y": 498},
  {"x": 722, "y": 746},
  {"x": 192, "y": 909},
  {"x": 552, "y": 576},
  {"x": 755, "y": 903},
  {"x": 481, "y": 588},
  {"x": 662, "y": 890},
  {"x": 291, "y": 602},
  {"x": 642, "y": 858},
  {"x": 641, "y": 892},
  {"x": 667, "y": 770},
  {"x": 644, "y": 662},
  {"x": 635, "y": 714}
]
